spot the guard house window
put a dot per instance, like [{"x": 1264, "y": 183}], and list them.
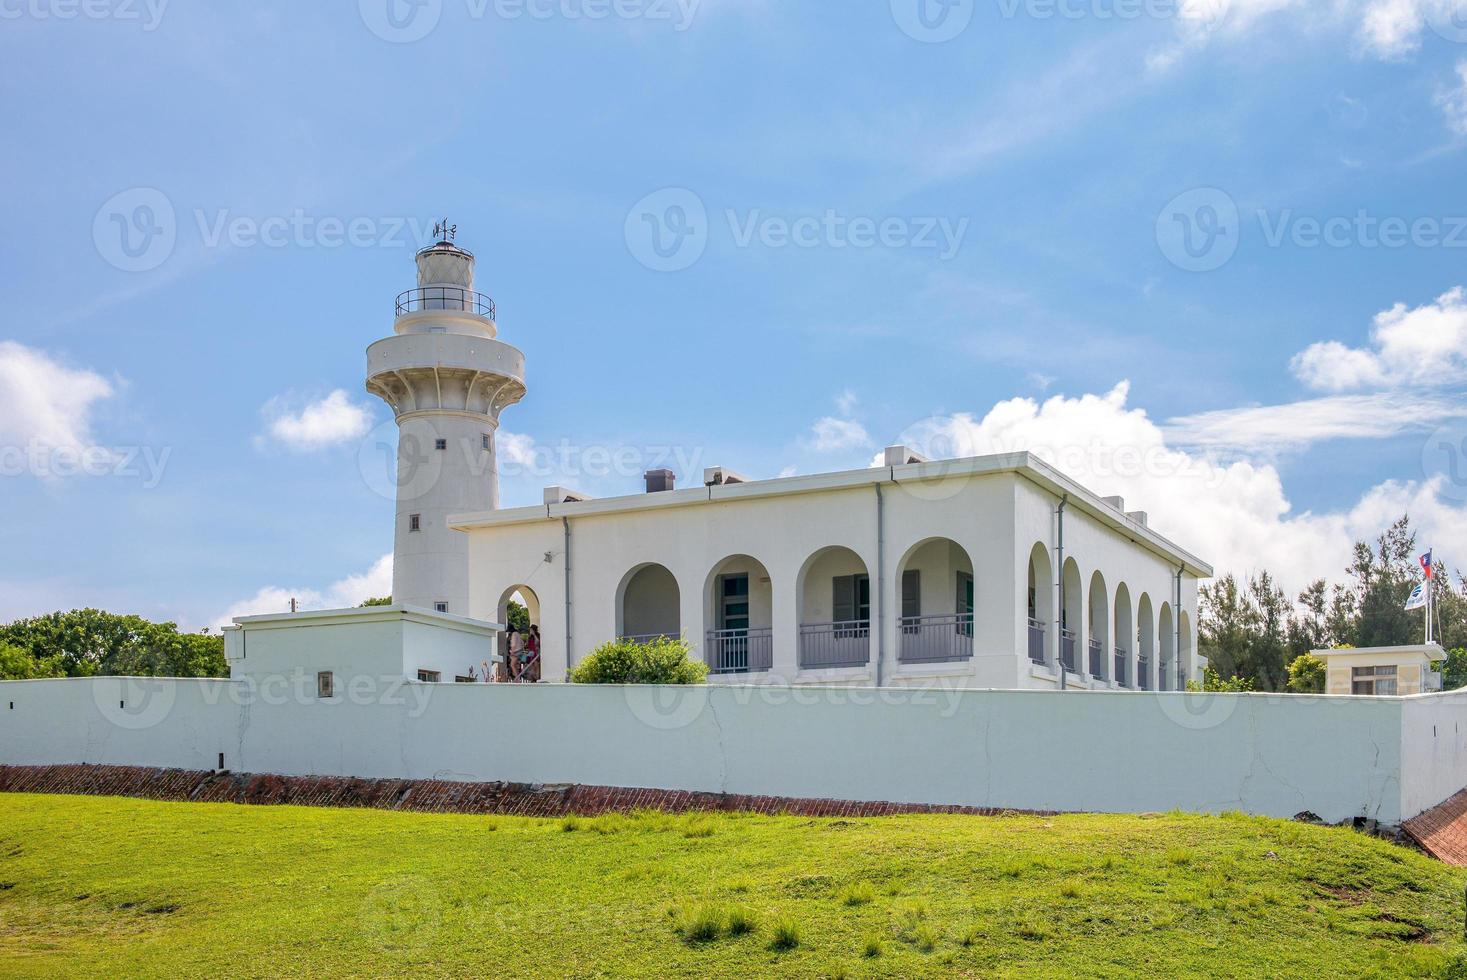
[
  {"x": 1373, "y": 680},
  {"x": 429, "y": 676},
  {"x": 415, "y": 522},
  {"x": 325, "y": 684},
  {"x": 440, "y": 443},
  {"x": 440, "y": 607}
]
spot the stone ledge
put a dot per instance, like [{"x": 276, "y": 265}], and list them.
[{"x": 431, "y": 795}]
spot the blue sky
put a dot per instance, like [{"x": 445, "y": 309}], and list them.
[{"x": 1108, "y": 229}]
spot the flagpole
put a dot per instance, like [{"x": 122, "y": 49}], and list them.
[{"x": 1429, "y": 591}]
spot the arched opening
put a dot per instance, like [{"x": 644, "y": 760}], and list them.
[
  {"x": 1040, "y": 603},
  {"x": 738, "y": 605},
  {"x": 1125, "y": 638},
  {"x": 1166, "y": 669},
  {"x": 834, "y": 598},
  {"x": 1186, "y": 659},
  {"x": 647, "y": 604},
  {"x": 1145, "y": 643},
  {"x": 1070, "y": 617},
  {"x": 519, "y": 607},
  {"x": 1098, "y": 627},
  {"x": 936, "y": 579}
]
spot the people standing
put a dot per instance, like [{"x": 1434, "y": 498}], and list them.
[
  {"x": 532, "y": 654},
  {"x": 516, "y": 652}
]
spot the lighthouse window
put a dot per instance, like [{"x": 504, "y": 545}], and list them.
[
  {"x": 440, "y": 443},
  {"x": 440, "y": 607},
  {"x": 415, "y": 522},
  {"x": 485, "y": 439}
]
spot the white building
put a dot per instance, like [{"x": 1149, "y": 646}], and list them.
[{"x": 994, "y": 572}]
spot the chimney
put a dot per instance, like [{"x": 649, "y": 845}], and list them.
[
  {"x": 1119, "y": 503},
  {"x": 659, "y": 481},
  {"x": 1139, "y": 516}
]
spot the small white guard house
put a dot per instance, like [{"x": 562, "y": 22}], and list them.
[{"x": 995, "y": 571}]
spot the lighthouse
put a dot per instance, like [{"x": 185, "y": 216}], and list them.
[{"x": 447, "y": 376}]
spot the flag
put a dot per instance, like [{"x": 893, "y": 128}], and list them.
[
  {"x": 1417, "y": 599},
  {"x": 1426, "y": 564}
]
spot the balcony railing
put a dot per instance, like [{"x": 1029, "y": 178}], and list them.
[
  {"x": 1120, "y": 667},
  {"x": 740, "y": 651},
  {"x": 1037, "y": 652},
  {"x": 454, "y": 298},
  {"x": 824, "y": 645},
  {"x": 1143, "y": 673},
  {"x": 1097, "y": 658},
  {"x": 936, "y": 639},
  {"x": 1067, "y": 650}
]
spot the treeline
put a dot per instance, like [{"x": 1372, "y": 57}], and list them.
[
  {"x": 87, "y": 642},
  {"x": 1251, "y": 631}
]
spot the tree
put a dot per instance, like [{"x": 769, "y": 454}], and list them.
[
  {"x": 517, "y": 616},
  {"x": 1384, "y": 576},
  {"x": 660, "y": 661},
  {"x": 1454, "y": 669},
  {"x": 18, "y": 665},
  {"x": 1212, "y": 682},
  {"x": 1306, "y": 674},
  {"x": 379, "y": 601},
  {"x": 85, "y": 642}
]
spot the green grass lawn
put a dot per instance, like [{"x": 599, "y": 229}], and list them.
[{"x": 116, "y": 886}]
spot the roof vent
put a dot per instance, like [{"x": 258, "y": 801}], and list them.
[
  {"x": 903, "y": 455},
  {"x": 563, "y": 495},
  {"x": 717, "y": 476},
  {"x": 1139, "y": 516},
  {"x": 660, "y": 481},
  {"x": 1119, "y": 503}
]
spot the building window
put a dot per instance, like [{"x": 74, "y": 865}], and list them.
[
  {"x": 415, "y": 522},
  {"x": 485, "y": 438},
  {"x": 325, "y": 684},
  {"x": 440, "y": 607},
  {"x": 911, "y": 598},
  {"x": 1373, "y": 680},
  {"x": 429, "y": 676},
  {"x": 440, "y": 443},
  {"x": 733, "y": 610},
  {"x": 851, "y": 603}
]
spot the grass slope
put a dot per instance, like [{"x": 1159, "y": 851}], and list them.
[{"x": 114, "y": 886}]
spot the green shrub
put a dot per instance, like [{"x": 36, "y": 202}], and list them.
[
  {"x": 741, "y": 921},
  {"x": 660, "y": 661},
  {"x": 786, "y": 933},
  {"x": 871, "y": 948},
  {"x": 703, "y": 925},
  {"x": 859, "y": 893}
]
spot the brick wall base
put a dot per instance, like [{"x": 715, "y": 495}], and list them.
[{"x": 427, "y": 795}]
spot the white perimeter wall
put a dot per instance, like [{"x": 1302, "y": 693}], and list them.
[{"x": 1339, "y": 757}]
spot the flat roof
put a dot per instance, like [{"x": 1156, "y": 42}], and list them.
[
  {"x": 1022, "y": 464},
  {"x": 1431, "y": 651}
]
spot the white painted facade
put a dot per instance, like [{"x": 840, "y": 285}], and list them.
[{"x": 925, "y": 535}]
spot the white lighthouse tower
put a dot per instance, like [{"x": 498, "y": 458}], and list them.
[{"x": 447, "y": 378}]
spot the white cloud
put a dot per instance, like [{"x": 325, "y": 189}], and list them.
[
  {"x": 1236, "y": 516},
  {"x": 846, "y": 403},
  {"x": 44, "y": 403},
  {"x": 1296, "y": 425},
  {"x": 512, "y": 447},
  {"x": 1453, "y": 101},
  {"x": 1426, "y": 345},
  {"x": 833, "y": 435},
  {"x": 322, "y": 423},
  {"x": 343, "y": 594}
]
